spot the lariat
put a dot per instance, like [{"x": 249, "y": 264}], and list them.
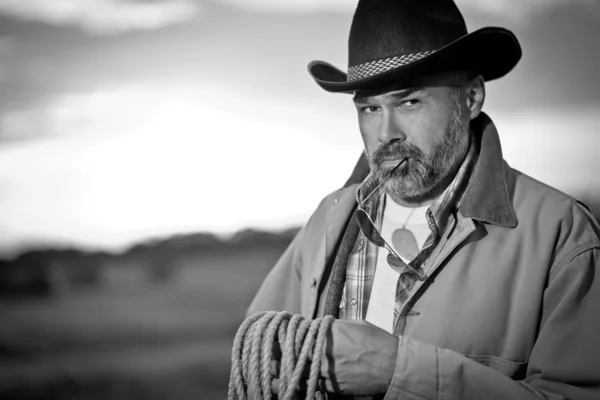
[{"x": 299, "y": 339}]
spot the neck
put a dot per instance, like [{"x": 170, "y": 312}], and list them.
[{"x": 411, "y": 203}]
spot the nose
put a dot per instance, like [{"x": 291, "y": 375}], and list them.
[{"x": 390, "y": 129}]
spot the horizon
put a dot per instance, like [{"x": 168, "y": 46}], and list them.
[{"x": 34, "y": 247}]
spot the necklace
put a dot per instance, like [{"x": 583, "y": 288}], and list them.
[
  {"x": 409, "y": 216},
  {"x": 404, "y": 241}
]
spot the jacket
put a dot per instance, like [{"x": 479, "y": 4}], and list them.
[{"x": 511, "y": 305}]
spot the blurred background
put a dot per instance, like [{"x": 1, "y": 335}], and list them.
[{"x": 156, "y": 158}]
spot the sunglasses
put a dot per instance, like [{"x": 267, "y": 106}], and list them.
[{"x": 368, "y": 228}]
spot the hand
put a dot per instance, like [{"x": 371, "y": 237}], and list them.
[{"x": 359, "y": 358}]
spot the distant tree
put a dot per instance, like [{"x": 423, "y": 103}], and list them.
[{"x": 160, "y": 268}]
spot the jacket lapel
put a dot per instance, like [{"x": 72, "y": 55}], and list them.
[
  {"x": 339, "y": 209},
  {"x": 342, "y": 205}
]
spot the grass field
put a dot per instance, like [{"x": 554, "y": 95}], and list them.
[{"x": 171, "y": 341}]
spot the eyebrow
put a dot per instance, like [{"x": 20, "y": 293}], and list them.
[{"x": 399, "y": 94}]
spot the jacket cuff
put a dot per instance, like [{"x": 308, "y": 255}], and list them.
[{"x": 416, "y": 374}]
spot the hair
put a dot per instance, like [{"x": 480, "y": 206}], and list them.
[{"x": 459, "y": 79}]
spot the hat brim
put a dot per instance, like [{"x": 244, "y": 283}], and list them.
[{"x": 491, "y": 51}]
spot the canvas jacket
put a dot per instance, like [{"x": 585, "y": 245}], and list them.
[{"x": 511, "y": 307}]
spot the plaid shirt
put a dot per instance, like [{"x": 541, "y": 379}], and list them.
[{"x": 362, "y": 262}]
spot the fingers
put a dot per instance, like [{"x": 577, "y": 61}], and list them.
[
  {"x": 302, "y": 386},
  {"x": 275, "y": 367},
  {"x": 275, "y": 386}
]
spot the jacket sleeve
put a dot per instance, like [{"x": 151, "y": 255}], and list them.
[
  {"x": 281, "y": 288},
  {"x": 564, "y": 363}
]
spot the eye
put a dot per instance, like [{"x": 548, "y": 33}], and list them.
[
  {"x": 410, "y": 103},
  {"x": 370, "y": 109}
]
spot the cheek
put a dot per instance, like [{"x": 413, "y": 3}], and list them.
[
  {"x": 426, "y": 134},
  {"x": 423, "y": 138},
  {"x": 369, "y": 138}
]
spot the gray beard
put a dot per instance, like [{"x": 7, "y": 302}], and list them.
[{"x": 426, "y": 176}]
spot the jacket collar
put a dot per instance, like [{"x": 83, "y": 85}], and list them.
[{"x": 486, "y": 198}]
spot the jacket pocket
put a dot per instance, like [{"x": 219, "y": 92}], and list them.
[{"x": 512, "y": 369}]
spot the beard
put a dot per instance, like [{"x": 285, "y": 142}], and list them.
[{"x": 425, "y": 176}]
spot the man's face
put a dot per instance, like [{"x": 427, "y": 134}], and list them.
[{"x": 428, "y": 124}]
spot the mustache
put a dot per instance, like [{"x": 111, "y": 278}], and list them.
[{"x": 396, "y": 150}]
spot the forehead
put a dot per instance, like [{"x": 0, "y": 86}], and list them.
[{"x": 404, "y": 88}]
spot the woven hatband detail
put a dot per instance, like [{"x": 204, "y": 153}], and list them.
[{"x": 376, "y": 67}]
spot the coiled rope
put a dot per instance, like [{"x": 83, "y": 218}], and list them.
[{"x": 299, "y": 339}]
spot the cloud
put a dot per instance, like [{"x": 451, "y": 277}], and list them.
[
  {"x": 103, "y": 16},
  {"x": 81, "y": 114},
  {"x": 7, "y": 48},
  {"x": 174, "y": 161},
  {"x": 509, "y": 8},
  {"x": 294, "y": 6},
  {"x": 523, "y": 9},
  {"x": 517, "y": 6}
]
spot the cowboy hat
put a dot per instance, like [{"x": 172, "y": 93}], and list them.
[{"x": 394, "y": 40}]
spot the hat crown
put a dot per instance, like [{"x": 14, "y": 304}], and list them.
[{"x": 390, "y": 28}]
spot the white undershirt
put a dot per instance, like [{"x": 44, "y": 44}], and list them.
[{"x": 380, "y": 311}]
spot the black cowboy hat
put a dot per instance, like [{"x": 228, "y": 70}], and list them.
[{"x": 392, "y": 40}]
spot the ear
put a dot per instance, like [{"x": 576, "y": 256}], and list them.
[{"x": 475, "y": 91}]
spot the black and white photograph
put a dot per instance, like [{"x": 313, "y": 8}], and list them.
[{"x": 299, "y": 199}]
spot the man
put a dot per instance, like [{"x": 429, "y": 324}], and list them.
[{"x": 452, "y": 275}]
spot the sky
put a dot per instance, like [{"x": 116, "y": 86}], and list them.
[{"x": 122, "y": 120}]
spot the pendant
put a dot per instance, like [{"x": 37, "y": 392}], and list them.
[{"x": 405, "y": 243}]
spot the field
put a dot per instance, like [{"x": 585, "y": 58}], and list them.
[{"x": 131, "y": 340}]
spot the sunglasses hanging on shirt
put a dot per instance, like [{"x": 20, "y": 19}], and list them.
[
  {"x": 404, "y": 236},
  {"x": 405, "y": 242}
]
